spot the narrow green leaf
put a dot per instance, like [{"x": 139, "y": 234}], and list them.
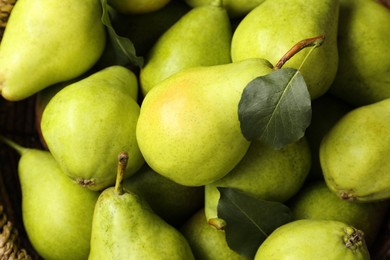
[
  {"x": 276, "y": 108},
  {"x": 122, "y": 49},
  {"x": 249, "y": 220}
]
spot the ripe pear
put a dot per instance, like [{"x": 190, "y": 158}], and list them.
[
  {"x": 314, "y": 239},
  {"x": 316, "y": 201},
  {"x": 57, "y": 213},
  {"x": 363, "y": 75},
  {"x": 201, "y": 37},
  {"x": 273, "y": 26},
  {"x": 48, "y": 42},
  {"x": 173, "y": 202},
  {"x": 138, "y": 6},
  {"x": 188, "y": 129},
  {"x": 326, "y": 111},
  {"x": 354, "y": 153},
  {"x": 87, "y": 123},
  {"x": 207, "y": 242},
  {"x": 264, "y": 173},
  {"x": 125, "y": 227},
  {"x": 235, "y": 8}
]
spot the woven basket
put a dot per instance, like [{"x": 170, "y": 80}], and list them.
[{"x": 17, "y": 121}]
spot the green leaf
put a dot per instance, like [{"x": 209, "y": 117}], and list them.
[
  {"x": 121, "y": 49},
  {"x": 276, "y": 108},
  {"x": 249, "y": 220}
]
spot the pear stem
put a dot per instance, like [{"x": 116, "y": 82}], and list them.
[
  {"x": 123, "y": 158},
  {"x": 18, "y": 148},
  {"x": 315, "y": 41}
]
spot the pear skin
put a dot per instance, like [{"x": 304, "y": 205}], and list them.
[
  {"x": 56, "y": 211},
  {"x": 138, "y": 6},
  {"x": 125, "y": 227},
  {"x": 363, "y": 76},
  {"x": 201, "y": 37},
  {"x": 87, "y": 123},
  {"x": 354, "y": 153},
  {"x": 48, "y": 42},
  {"x": 188, "y": 129},
  {"x": 273, "y": 26}
]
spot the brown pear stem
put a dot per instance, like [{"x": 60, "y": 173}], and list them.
[
  {"x": 123, "y": 158},
  {"x": 315, "y": 41},
  {"x": 217, "y": 223}
]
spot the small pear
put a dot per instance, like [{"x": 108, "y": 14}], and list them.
[
  {"x": 173, "y": 202},
  {"x": 56, "y": 212},
  {"x": 264, "y": 173},
  {"x": 235, "y": 8},
  {"x": 207, "y": 242},
  {"x": 48, "y": 42},
  {"x": 273, "y": 26},
  {"x": 363, "y": 74},
  {"x": 201, "y": 37},
  {"x": 316, "y": 201},
  {"x": 314, "y": 239},
  {"x": 125, "y": 227},
  {"x": 354, "y": 153},
  {"x": 88, "y": 122},
  {"x": 189, "y": 130},
  {"x": 138, "y": 6}
]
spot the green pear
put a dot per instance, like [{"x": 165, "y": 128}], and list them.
[
  {"x": 48, "y": 42},
  {"x": 273, "y": 26},
  {"x": 138, "y": 6},
  {"x": 207, "y": 242},
  {"x": 145, "y": 29},
  {"x": 87, "y": 123},
  {"x": 326, "y": 111},
  {"x": 354, "y": 153},
  {"x": 125, "y": 227},
  {"x": 201, "y": 37},
  {"x": 363, "y": 75},
  {"x": 188, "y": 129},
  {"x": 57, "y": 213},
  {"x": 264, "y": 173},
  {"x": 314, "y": 239},
  {"x": 235, "y": 8},
  {"x": 316, "y": 201},
  {"x": 173, "y": 202}
]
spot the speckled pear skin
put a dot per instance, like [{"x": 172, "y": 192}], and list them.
[
  {"x": 125, "y": 227},
  {"x": 273, "y": 27},
  {"x": 363, "y": 76},
  {"x": 201, "y": 37},
  {"x": 188, "y": 129},
  {"x": 354, "y": 153},
  {"x": 47, "y": 42},
  {"x": 86, "y": 124}
]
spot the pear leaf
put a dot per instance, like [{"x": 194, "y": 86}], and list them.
[
  {"x": 249, "y": 221},
  {"x": 276, "y": 108},
  {"x": 122, "y": 48}
]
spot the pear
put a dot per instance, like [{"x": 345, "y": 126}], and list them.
[
  {"x": 188, "y": 129},
  {"x": 201, "y": 37},
  {"x": 56, "y": 212},
  {"x": 354, "y": 153},
  {"x": 273, "y": 26},
  {"x": 48, "y": 42},
  {"x": 173, "y": 202},
  {"x": 363, "y": 75},
  {"x": 316, "y": 201},
  {"x": 264, "y": 173},
  {"x": 88, "y": 122},
  {"x": 207, "y": 242},
  {"x": 314, "y": 239},
  {"x": 326, "y": 111},
  {"x": 138, "y": 6},
  {"x": 235, "y": 8},
  {"x": 125, "y": 227}
]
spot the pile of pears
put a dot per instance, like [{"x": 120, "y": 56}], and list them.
[{"x": 133, "y": 153}]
